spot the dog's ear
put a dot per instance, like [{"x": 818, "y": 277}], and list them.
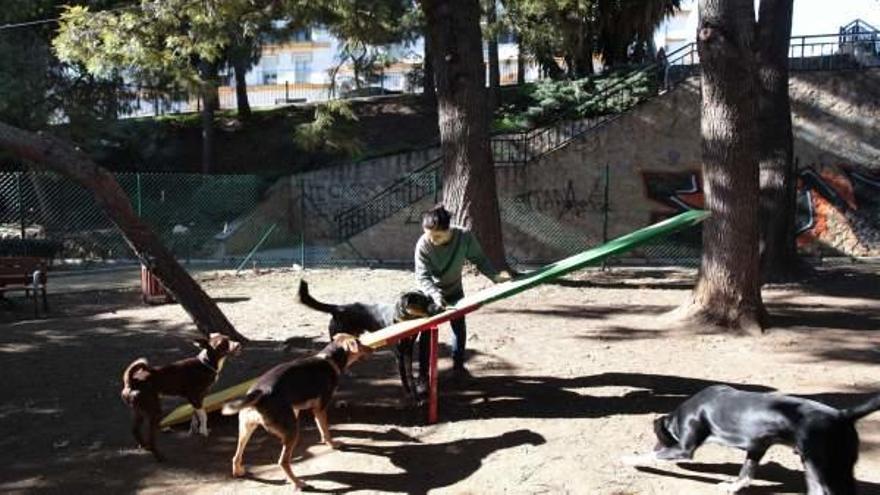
[
  {"x": 434, "y": 308},
  {"x": 664, "y": 437}
]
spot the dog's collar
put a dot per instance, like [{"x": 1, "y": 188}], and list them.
[
  {"x": 330, "y": 361},
  {"x": 203, "y": 358}
]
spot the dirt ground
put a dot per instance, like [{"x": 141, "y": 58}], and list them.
[{"x": 566, "y": 379}]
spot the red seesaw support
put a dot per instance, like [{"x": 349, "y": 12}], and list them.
[
  {"x": 432, "y": 375},
  {"x": 392, "y": 334}
]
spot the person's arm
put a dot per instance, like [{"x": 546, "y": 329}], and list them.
[
  {"x": 423, "y": 274},
  {"x": 475, "y": 255}
]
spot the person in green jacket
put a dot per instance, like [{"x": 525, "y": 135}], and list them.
[{"x": 439, "y": 258}]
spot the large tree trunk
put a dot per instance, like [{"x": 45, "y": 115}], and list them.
[
  {"x": 494, "y": 69},
  {"x": 428, "y": 86},
  {"x": 583, "y": 55},
  {"x": 727, "y": 293},
  {"x": 209, "y": 106},
  {"x": 240, "y": 68},
  {"x": 468, "y": 173},
  {"x": 53, "y": 154},
  {"x": 520, "y": 62},
  {"x": 779, "y": 258}
]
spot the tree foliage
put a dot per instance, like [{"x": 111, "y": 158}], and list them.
[
  {"x": 365, "y": 30},
  {"x": 573, "y": 30},
  {"x": 332, "y": 130},
  {"x": 36, "y": 88}
]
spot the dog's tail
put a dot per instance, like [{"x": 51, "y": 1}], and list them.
[
  {"x": 248, "y": 400},
  {"x": 129, "y": 394},
  {"x": 308, "y": 300},
  {"x": 860, "y": 411}
]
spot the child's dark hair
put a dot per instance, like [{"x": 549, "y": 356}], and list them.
[{"x": 437, "y": 218}]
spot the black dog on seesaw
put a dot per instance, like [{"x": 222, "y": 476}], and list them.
[
  {"x": 190, "y": 378},
  {"x": 276, "y": 399},
  {"x": 357, "y": 318},
  {"x": 824, "y": 437}
]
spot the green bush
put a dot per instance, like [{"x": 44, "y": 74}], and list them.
[
  {"x": 548, "y": 101},
  {"x": 333, "y": 130}
]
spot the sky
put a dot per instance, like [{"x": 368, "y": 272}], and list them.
[
  {"x": 826, "y": 16},
  {"x": 809, "y": 17}
]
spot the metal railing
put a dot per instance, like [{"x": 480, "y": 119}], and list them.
[
  {"x": 854, "y": 47},
  {"x": 845, "y": 51},
  {"x": 413, "y": 187},
  {"x": 506, "y": 150},
  {"x": 612, "y": 100}
]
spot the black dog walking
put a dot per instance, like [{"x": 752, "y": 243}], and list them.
[
  {"x": 357, "y": 318},
  {"x": 824, "y": 437}
]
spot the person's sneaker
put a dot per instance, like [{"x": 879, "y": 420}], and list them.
[{"x": 460, "y": 375}]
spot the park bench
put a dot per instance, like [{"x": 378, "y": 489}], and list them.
[
  {"x": 25, "y": 273},
  {"x": 279, "y": 101}
]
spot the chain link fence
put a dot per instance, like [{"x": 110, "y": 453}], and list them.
[
  {"x": 59, "y": 219},
  {"x": 241, "y": 221}
]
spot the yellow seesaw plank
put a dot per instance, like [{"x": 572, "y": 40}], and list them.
[{"x": 212, "y": 403}]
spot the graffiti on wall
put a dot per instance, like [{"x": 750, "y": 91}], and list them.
[
  {"x": 673, "y": 193},
  {"x": 564, "y": 201},
  {"x": 838, "y": 208}
]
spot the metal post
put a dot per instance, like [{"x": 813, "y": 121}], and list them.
[
  {"x": 139, "y": 205},
  {"x": 286, "y": 91},
  {"x": 256, "y": 247},
  {"x": 432, "y": 374},
  {"x": 20, "y": 203},
  {"x": 302, "y": 223},
  {"x": 605, "y": 208}
]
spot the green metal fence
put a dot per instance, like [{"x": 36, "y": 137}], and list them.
[
  {"x": 189, "y": 212},
  {"x": 245, "y": 220}
]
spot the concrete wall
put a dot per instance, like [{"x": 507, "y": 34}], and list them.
[
  {"x": 554, "y": 206},
  {"x": 327, "y": 192}
]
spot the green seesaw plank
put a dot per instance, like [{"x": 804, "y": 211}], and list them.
[
  {"x": 212, "y": 403},
  {"x": 549, "y": 272},
  {"x": 388, "y": 335}
]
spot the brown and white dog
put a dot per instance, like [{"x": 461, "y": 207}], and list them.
[
  {"x": 307, "y": 383},
  {"x": 189, "y": 378}
]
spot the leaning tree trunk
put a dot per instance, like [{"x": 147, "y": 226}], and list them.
[
  {"x": 727, "y": 293},
  {"x": 53, "y": 154},
  {"x": 469, "y": 189},
  {"x": 492, "y": 53},
  {"x": 240, "y": 68},
  {"x": 779, "y": 257}
]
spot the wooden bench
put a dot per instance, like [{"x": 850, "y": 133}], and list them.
[
  {"x": 279, "y": 101},
  {"x": 24, "y": 273}
]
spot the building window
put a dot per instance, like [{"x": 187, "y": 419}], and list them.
[
  {"x": 269, "y": 66},
  {"x": 302, "y": 35},
  {"x": 302, "y": 67},
  {"x": 506, "y": 37}
]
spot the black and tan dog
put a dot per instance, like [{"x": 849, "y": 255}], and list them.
[
  {"x": 188, "y": 378},
  {"x": 824, "y": 437},
  {"x": 275, "y": 400},
  {"x": 357, "y": 318}
]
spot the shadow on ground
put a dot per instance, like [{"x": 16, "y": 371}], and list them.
[{"x": 784, "y": 480}]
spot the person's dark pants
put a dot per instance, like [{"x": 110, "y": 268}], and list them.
[{"x": 459, "y": 343}]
